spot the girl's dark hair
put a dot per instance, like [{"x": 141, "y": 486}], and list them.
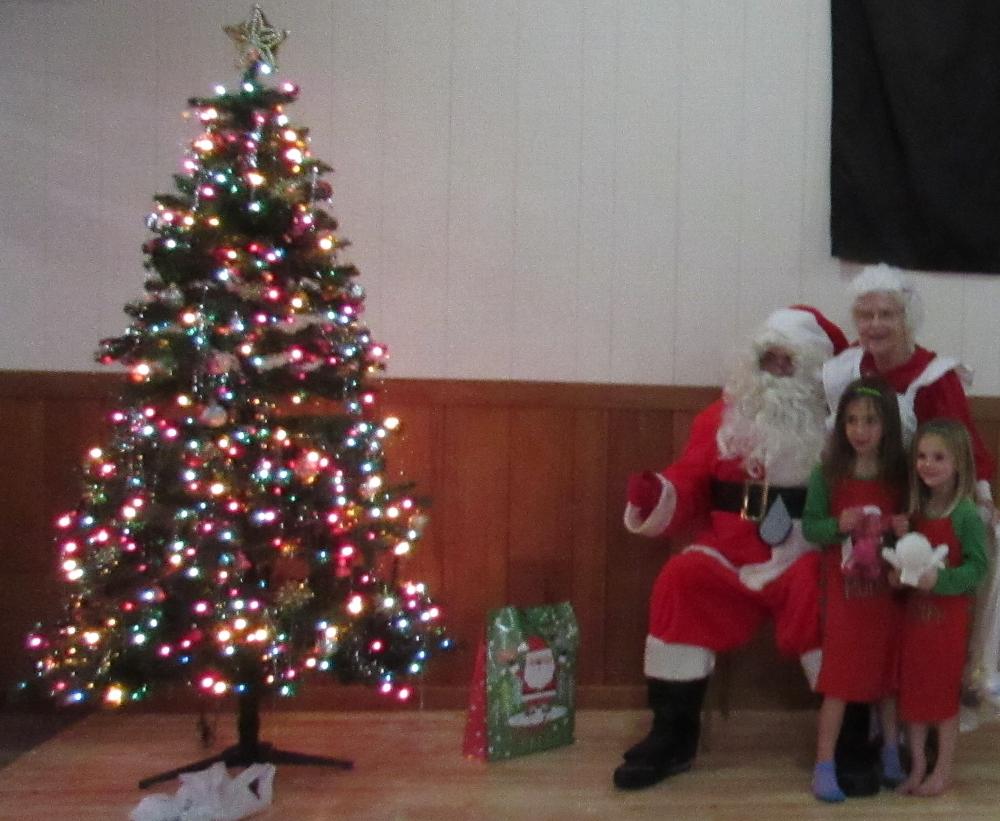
[
  {"x": 958, "y": 442},
  {"x": 838, "y": 456}
]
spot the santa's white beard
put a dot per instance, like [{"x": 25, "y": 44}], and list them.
[{"x": 774, "y": 424}]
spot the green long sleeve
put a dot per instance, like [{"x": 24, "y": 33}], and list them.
[
  {"x": 818, "y": 526},
  {"x": 971, "y": 533}
]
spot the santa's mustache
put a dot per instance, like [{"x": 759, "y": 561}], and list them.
[
  {"x": 771, "y": 418},
  {"x": 761, "y": 393}
]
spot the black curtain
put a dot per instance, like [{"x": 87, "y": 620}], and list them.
[{"x": 915, "y": 149}]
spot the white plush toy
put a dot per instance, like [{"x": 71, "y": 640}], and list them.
[{"x": 913, "y": 556}]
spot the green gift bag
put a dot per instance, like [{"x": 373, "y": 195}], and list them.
[{"x": 522, "y": 698}]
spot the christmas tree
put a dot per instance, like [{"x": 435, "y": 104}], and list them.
[{"x": 230, "y": 535}]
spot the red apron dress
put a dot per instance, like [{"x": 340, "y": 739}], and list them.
[
  {"x": 934, "y": 642},
  {"x": 861, "y": 617}
]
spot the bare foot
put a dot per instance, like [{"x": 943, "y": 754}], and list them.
[
  {"x": 918, "y": 770},
  {"x": 935, "y": 785}
]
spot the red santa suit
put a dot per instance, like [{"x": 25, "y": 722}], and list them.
[
  {"x": 741, "y": 482},
  {"x": 717, "y": 592}
]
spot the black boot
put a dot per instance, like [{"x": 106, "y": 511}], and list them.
[
  {"x": 857, "y": 755},
  {"x": 672, "y": 743}
]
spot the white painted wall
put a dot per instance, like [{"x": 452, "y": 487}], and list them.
[{"x": 581, "y": 190}]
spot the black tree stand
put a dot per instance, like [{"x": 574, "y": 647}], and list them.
[{"x": 249, "y": 749}]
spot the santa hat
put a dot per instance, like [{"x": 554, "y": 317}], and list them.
[
  {"x": 802, "y": 328},
  {"x": 533, "y": 645},
  {"x": 884, "y": 279}
]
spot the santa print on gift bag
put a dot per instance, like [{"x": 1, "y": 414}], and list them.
[{"x": 522, "y": 695}]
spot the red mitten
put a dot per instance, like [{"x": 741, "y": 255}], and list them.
[{"x": 644, "y": 491}]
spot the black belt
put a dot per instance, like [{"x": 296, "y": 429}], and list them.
[{"x": 752, "y": 500}]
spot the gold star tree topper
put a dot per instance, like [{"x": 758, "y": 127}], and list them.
[{"x": 256, "y": 39}]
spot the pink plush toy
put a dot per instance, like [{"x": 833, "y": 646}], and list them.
[{"x": 862, "y": 557}]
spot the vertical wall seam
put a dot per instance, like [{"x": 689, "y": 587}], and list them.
[
  {"x": 614, "y": 270},
  {"x": 741, "y": 187},
  {"x": 678, "y": 159},
  {"x": 578, "y": 261},
  {"x": 806, "y": 133},
  {"x": 446, "y": 342},
  {"x": 515, "y": 232}
]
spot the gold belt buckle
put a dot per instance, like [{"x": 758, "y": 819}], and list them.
[{"x": 745, "y": 507}]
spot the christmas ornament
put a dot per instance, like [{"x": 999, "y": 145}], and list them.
[
  {"x": 293, "y": 595},
  {"x": 256, "y": 40},
  {"x": 214, "y": 416}
]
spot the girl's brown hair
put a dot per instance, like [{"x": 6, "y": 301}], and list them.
[
  {"x": 838, "y": 456},
  {"x": 958, "y": 442}
]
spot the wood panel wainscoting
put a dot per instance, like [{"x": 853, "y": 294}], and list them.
[{"x": 526, "y": 481}]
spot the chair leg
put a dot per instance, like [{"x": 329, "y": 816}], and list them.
[{"x": 718, "y": 699}]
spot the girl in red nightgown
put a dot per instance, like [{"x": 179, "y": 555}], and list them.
[
  {"x": 936, "y": 617},
  {"x": 856, "y": 493}
]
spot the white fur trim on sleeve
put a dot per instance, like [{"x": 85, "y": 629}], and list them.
[{"x": 659, "y": 517}]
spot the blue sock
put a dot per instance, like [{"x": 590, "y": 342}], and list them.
[
  {"x": 825, "y": 786},
  {"x": 892, "y": 768}
]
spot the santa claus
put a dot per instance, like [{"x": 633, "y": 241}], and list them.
[{"x": 742, "y": 477}]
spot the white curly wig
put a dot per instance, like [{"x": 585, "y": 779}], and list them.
[{"x": 884, "y": 279}]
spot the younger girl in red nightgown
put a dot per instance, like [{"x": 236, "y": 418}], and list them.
[
  {"x": 937, "y": 612},
  {"x": 856, "y": 493}
]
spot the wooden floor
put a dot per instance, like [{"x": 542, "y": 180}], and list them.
[{"x": 409, "y": 766}]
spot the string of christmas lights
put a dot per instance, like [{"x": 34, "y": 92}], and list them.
[{"x": 224, "y": 536}]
